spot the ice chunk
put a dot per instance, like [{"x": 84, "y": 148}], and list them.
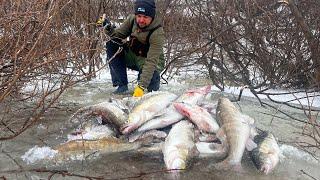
[{"x": 37, "y": 153}]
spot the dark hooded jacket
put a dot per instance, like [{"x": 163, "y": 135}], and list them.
[{"x": 154, "y": 59}]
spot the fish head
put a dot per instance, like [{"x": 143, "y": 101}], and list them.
[
  {"x": 268, "y": 163},
  {"x": 178, "y": 164},
  {"x": 266, "y": 168},
  {"x": 177, "y": 159},
  {"x": 273, "y": 160}
]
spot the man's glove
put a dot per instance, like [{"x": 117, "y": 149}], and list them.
[
  {"x": 103, "y": 22},
  {"x": 138, "y": 91}
]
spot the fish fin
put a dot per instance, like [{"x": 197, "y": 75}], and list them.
[
  {"x": 181, "y": 109},
  {"x": 128, "y": 128},
  {"x": 160, "y": 113},
  {"x": 147, "y": 141},
  {"x": 221, "y": 135},
  {"x": 185, "y": 113},
  {"x": 134, "y": 136},
  {"x": 253, "y": 132},
  {"x": 194, "y": 151},
  {"x": 206, "y": 137},
  {"x": 250, "y": 144},
  {"x": 213, "y": 150}
]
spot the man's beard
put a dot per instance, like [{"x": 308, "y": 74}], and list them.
[{"x": 142, "y": 27}]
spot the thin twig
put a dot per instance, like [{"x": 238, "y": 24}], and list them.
[
  {"x": 15, "y": 161},
  {"x": 54, "y": 172},
  {"x": 293, "y": 118},
  {"x": 305, "y": 173}
]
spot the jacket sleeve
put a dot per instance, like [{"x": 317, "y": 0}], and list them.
[
  {"x": 156, "y": 43},
  {"x": 123, "y": 31}
]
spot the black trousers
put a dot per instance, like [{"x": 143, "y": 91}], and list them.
[{"x": 118, "y": 68}]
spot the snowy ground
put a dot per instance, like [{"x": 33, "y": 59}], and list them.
[
  {"x": 37, "y": 142},
  {"x": 285, "y": 95}
]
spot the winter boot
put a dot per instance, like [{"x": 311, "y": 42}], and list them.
[{"x": 123, "y": 89}]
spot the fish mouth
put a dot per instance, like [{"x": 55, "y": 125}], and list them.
[
  {"x": 266, "y": 168},
  {"x": 177, "y": 164}
]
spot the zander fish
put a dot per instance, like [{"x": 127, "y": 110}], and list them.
[
  {"x": 170, "y": 115},
  {"x": 84, "y": 148},
  {"x": 109, "y": 112},
  {"x": 179, "y": 146},
  {"x": 146, "y": 108},
  {"x": 266, "y": 155},
  {"x": 234, "y": 132}
]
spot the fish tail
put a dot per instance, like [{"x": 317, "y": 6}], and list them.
[{"x": 81, "y": 114}]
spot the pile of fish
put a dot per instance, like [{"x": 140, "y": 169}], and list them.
[{"x": 186, "y": 126}]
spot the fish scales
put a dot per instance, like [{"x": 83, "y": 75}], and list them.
[
  {"x": 170, "y": 115},
  {"x": 146, "y": 108},
  {"x": 108, "y": 111},
  {"x": 236, "y": 127},
  {"x": 179, "y": 145},
  {"x": 266, "y": 155},
  {"x": 79, "y": 149}
]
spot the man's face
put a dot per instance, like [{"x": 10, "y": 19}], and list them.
[{"x": 143, "y": 20}]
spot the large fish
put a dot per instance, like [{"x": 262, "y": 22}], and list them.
[
  {"x": 111, "y": 113},
  {"x": 234, "y": 132},
  {"x": 170, "y": 115},
  {"x": 266, "y": 155},
  {"x": 84, "y": 148},
  {"x": 179, "y": 146},
  {"x": 146, "y": 108},
  {"x": 199, "y": 116}
]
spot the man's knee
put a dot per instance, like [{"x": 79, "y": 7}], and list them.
[{"x": 112, "y": 46}]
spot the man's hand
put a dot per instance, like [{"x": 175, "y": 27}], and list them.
[
  {"x": 138, "y": 91},
  {"x": 103, "y": 22}
]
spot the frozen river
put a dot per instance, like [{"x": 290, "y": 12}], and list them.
[{"x": 147, "y": 163}]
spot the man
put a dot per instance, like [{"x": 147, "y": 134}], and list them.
[{"x": 143, "y": 52}]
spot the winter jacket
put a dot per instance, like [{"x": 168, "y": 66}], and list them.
[{"x": 154, "y": 59}]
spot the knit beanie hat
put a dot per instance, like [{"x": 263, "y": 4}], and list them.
[{"x": 145, "y": 7}]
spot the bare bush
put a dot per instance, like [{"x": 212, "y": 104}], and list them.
[
  {"x": 261, "y": 45},
  {"x": 46, "y": 47}
]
